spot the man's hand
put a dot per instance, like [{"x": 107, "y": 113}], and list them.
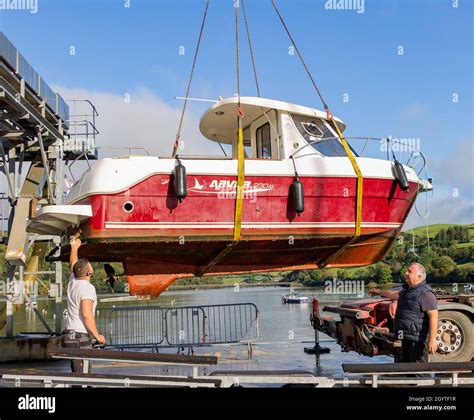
[
  {"x": 373, "y": 292},
  {"x": 75, "y": 240},
  {"x": 75, "y": 243},
  {"x": 432, "y": 346},
  {"x": 101, "y": 339},
  {"x": 433, "y": 316}
]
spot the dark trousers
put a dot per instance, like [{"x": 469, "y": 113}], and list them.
[
  {"x": 414, "y": 352},
  {"x": 76, "y": 340}
]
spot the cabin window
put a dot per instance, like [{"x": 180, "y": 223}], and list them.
[
  {"x": 319, "y": 134},
  {"x": 264, "y": 142},
  {"x": 247, "y": 143}
]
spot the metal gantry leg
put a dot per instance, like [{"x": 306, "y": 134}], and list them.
[
  {"x": 10, "y": 297},
  {"x": 58, "y": 195},
  {"x": 10, "y": 280}
]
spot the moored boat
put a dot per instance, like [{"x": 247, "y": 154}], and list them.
[{"x": 291, "y": 298}]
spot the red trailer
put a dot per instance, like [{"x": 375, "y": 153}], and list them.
[{"x": 366, "y": 327}]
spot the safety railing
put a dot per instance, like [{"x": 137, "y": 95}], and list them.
[
  {"x": 187, "y": 326},
  {"x": 392, "y": 148},
  {"x": 82, "y": 128},
  {"x": 10, "y": 54}
]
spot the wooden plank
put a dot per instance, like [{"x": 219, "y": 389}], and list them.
[
  {"x": 131, "y": 356},
  {"x": 12, "y": 374},
  {"x": 366, "y": 368}
]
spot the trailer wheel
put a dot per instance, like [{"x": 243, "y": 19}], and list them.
[{"x": 455, "y": 338}]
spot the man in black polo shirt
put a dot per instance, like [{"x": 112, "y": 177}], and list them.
[{"x": 416, "y": 319}]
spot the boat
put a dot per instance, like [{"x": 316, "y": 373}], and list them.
[
  {"x": 294, "y": 298},
  {"x": 469, "y": 288},
  {"x": 303, "y": 205}
]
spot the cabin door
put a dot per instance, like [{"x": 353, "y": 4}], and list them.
[{"x": 265, "y": 139}]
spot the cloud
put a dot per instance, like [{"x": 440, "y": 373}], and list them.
[
  {"x": 456, "y": 169},
  {"x": 452, "y": 199},
  {"x": 143, "y": 121},
  {"x": 413, "y": 111},
  {"x": 442, "y": 207}
]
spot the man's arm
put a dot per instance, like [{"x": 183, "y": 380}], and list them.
[
  {"x": 389, "y": 294},
  {"x": 433, "y": 316},
  {"x": 89, "y": 320},
  {"x": 75, "y": 245}
]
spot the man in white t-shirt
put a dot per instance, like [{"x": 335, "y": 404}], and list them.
[{"x": 81, "y": 305}]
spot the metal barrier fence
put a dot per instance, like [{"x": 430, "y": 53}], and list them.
[{"x": 186, "y": 326}]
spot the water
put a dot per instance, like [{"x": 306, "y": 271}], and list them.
[{"x": 284, "y": 330}]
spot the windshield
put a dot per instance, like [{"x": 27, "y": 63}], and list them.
[{"x": 320, "y": 136}]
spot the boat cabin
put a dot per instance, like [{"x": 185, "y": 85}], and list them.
[{"x": 272, "y": 129}]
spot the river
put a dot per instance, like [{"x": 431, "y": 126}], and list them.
[{"x": 284, "y": 330}]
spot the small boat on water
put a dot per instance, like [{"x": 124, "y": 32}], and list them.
[{"x": 294, "y": 298}]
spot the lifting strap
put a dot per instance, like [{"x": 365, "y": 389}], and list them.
[
  {"x": 239, "y": 191},
  {"x": 359, "y": 194},
  {"x": 350, "y": 155}
]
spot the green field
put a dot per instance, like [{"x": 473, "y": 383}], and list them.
[
  {"x": 232, "y": 280},
  {"x": 434, "y": 229}
]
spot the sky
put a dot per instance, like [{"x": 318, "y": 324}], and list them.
[{"x": 399, "y": 68}]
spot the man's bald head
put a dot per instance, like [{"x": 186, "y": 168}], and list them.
[
  {"x": 82, "y": 268},
  {"x": 416, "y": 273}
]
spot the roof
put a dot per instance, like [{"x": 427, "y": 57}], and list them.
[{"x": 219, "y": 122}]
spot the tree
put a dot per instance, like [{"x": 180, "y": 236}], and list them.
[
  {"x": 442, "y": 267},
  {"x": 383, "y": 273}
]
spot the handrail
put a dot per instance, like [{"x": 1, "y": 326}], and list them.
[
  {"x": 198, "y": 157},
  {"x": 129, "y": 148},
  {"x": 94, "y": 109},
  {"x": 84, "y": 123},
  {"x": 84, "y": 154},
  {"x": 367, "y": 139}
]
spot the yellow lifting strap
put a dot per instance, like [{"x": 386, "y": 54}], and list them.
[
  {"x": 359, "y": 195},
  {"x": 239, "y": 190},
  {"x": 239, "y": 196},
  {"x": 239, "y": 193}
]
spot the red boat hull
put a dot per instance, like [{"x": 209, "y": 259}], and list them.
[{"x": 162, "y": 239}]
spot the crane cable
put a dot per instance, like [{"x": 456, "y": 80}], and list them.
[
  {"x": 347, "y": 149},
  {"x": 239, "y": 193},
  {"x": 178, "y": 134},
  {"x": 326, "y": 108},
  {"x": 254, "y": 67}
]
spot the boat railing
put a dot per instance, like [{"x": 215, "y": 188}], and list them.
[
  {"x": 129, "y": 148},
  {"x": 197, "y": 157},
  {"x": 84, "y": 155},
  {"x": 416, "y": 159}
]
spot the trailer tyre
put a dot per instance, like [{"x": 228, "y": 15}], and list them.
[{"x": 455, "y": 338}]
